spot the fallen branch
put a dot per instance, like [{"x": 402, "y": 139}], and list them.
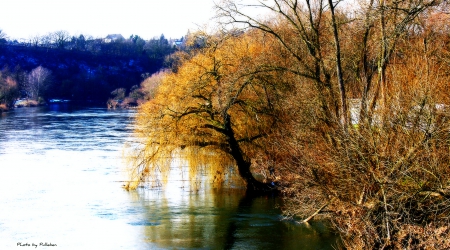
[{"x": 315, "y": 213}]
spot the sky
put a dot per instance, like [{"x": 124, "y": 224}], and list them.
[{"x": 98, "y": 18}]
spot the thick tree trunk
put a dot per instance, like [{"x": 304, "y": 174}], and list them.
[{"x": 244, "y": 164}]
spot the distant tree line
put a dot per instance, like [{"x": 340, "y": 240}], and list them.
[{"x": 82, "y": 68}]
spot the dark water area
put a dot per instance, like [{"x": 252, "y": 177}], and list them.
[{"x": 61, "y": 172}]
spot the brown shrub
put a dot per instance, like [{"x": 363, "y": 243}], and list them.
[{"x": 384, "y": 183}]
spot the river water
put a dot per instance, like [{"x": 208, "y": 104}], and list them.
[{"x": 60, "y": 188}]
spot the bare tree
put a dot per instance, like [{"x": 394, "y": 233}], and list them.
[
  {"x": 305, "y": 29},
  {"x": 2, "y": 34},
  {"x": 60, "y": 38},
  {"x": 38, "y": 79},
  {"x": 301, "y": 28},
  {"x": 391, "y": 20},
  {"x": 35, "y": 40},
  {"x": 3, "y": 37},
  {"x": 46, "y": 40}
]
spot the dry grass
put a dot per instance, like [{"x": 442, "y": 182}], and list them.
[{"x": 3, "y": 108}]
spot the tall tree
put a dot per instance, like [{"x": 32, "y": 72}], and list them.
[
  {"x": 80, "y": 42},
  {"x": 302, "y": 29},
  {"x": 38, "y": 80},
  {"x": 305, "y": 34},
  {"x": 60, "y": 38}
]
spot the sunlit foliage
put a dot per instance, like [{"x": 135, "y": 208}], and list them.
[
  {"x": 8, "y": 90},
  {"x": 151, "y": 84},
  {"x": 215, "y": 111}
]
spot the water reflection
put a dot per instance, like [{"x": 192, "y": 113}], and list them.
[{"x": 223, "y": 220}]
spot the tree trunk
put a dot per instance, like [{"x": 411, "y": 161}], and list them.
[
  {"x": 244, "y": 164},
  {"x": 344, "y": 112}
]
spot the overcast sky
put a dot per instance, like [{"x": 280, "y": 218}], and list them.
[{"x": 98, "y": 18}]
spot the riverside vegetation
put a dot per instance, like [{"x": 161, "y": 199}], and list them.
[{"x": 341, "y": 106}]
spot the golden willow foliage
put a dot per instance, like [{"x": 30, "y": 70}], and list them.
[{"x": 219, "y": 95}]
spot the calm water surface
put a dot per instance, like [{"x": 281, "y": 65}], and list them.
[{"x": 60, "y": 183}]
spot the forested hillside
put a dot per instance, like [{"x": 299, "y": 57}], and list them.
[{"x": 79, "y": 69}]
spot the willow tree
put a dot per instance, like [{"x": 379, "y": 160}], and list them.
[{"x": 220, "y": 105}]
